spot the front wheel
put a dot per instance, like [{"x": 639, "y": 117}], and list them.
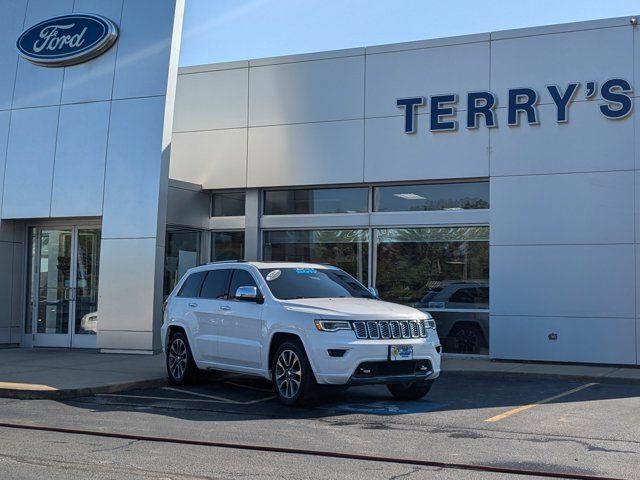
[
  {"x": 293, "y": 379},
  {"x": 410, "y": 390}
]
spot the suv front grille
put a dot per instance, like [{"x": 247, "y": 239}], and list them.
[{"x": 383, "y": 330}]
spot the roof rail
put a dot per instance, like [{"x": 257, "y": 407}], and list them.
[{"x": 227, "y": 261}]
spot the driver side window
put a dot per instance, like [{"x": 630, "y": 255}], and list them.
[{"x": 241, "y": 278}]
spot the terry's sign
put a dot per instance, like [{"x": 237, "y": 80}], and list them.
[
  {"x": 521, "y": 103},
  {"x": 67, "y": 40}
]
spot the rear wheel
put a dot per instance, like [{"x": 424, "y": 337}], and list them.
[
  {"x": 181, "y": 367},
  {"x": 410, "y": 390},
  {"x": 293, "y": 379},
  {"x": 466, "y": 338}
]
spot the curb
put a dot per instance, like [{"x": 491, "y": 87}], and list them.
[
  {"x": 540, "y": 375},
  {"x": 79, "y": 392}
]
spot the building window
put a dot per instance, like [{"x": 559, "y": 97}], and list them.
[
  {"x": 347, "y": 249},
  {"x": 228, "y": 204},
  {"x": 420, "y": 198},
  {"x": 444, "y": 271},
  {"x": 227, "y": 246},
  {"x": 316, "y": 201},
  {"x": 182, "y": 252}
]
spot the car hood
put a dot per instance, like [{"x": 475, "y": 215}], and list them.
[{"x": 353, "y": 309}]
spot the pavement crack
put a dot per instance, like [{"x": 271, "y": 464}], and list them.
[
  {"x": 119, "y": 447},
  {"x": 406, "y": 475}
]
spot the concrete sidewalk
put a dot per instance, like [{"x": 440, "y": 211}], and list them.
[{"x": 61, "y": 373}]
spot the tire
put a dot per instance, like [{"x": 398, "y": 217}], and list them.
[
  {"x": 293, "y": 380},
  {"x": 181, "y": 368},
  {"x": 467, "y": 339},
  {"x": 411, "y": 390}
]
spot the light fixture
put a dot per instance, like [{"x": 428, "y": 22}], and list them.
[{"x": 409, "y": 196}]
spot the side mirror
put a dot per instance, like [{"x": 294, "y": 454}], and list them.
[
  {"x": 374, "y": 291},
  {"x": 248, "y": 294}
]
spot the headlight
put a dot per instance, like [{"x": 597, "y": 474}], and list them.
[
  {"x": 332, "y": 325},
  {"x": 430, "y": 323}
]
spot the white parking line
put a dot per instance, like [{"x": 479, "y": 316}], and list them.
[
  {"x": 204, "y": 395},
  {"x": 250, "y": 387}
]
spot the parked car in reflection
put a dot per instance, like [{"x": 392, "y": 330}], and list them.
[
  {"x": 460, "y": 331},
  {"x": 89, "y": 323}
]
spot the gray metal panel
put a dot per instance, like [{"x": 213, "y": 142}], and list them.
[
  {"x": 306, "y": 154},
  {"x": 584, "y": 339},
  {"x": 211, "y": 100},
  {"x": 430, "y": 71},
  {"x": 142, "y": 67},
  {"x": 588, "y": 142},
  {"x": 133, "y": 176},
  {"x": 308, "y": 91},
  {"x": 93, "y": 81},
  {"x": 38, "y": 86},
  {"x": 213, "y": 159},
  {"x": 78, "y": 177},
  {"x": 5, "y": 118},
  {"x": 17, "y": 292},
  {"x": 188, "y": 207},
  {"x": 391, "y": 154},
  {"x": 563, "y": 209},
  {"x": 30, "y": 157},
  {"x": 11, "y": 23},
  {"x": 563, "y": 280},
  {"x": 560, "y": 58}
]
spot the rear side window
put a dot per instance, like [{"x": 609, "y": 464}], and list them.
[
  {"x": 215, "y": 285},
  {"x": 191, "y": 287},
  {"x": 241, "y": 278}
]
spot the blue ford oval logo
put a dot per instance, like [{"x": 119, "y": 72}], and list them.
[{"x": 67, "y": 40}]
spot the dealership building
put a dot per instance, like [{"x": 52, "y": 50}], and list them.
[{"x": 488, "y": 179}]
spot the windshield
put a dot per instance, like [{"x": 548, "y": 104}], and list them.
[{"x": 292, "y": 283}]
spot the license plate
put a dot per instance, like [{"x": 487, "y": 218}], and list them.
[{"x": 400, "y": 352}]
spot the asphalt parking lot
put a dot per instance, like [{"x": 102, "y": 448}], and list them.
[{"x": 575, "y": 427}]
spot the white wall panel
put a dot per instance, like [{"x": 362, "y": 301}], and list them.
[
  {"x": 78, "y": 177},
  {"x": 213, "y": 159},
  {"x": 211, "y": 100},
  {"x": 564, "y": 280},
  {"x": 391, "y": 154},
  {"x": 4, "y": 138},
  {"x": 539, "y": 60},
  {"x": 29, "y": 164},
  {"x": 563, "y": 209},
  {"x": 11, "y": 23},
  {"x": 38, "y": 86},
  {"x": 93, "y": 81},
  {"x": 310, "y": 91},
  {"x": 588, "y": 142},
  {"x": 596, "y": 340},
  {"x": 142, "y": 67},
  {"x": 306, "y": 154},
  {"x": 6, "y": 280},
  {"x": 430, "y": 71},
  {"x": 132, "y": 178}
]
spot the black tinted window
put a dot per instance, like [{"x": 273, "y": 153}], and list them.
[
  {"x": 215, "y": 285},
  {"x": 191, "y": 287},
  {"x": 290, "y": 283},
  {"x": 241, "y": 278}
]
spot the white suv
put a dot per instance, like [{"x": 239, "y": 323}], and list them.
[{"x": 299, "y": 325}]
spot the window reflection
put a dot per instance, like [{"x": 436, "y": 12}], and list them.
[
  {"x": 444, "y": 271},
  {"x": 182, "y": 252},
  {"x": 316, "y": 201},
  {"x": 228, "y": 204},
  {"x": 442, "y": 196},
  {"x": 347, "y": 249},
  {"x": 227, "y": 246}
]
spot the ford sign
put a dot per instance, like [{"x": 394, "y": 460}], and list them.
[{"x": 67, "y": 40}]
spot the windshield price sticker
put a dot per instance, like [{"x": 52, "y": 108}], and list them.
[{"x": 306, "y": 271}]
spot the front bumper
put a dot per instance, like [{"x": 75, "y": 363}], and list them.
[{"x": 371, "y": 355}]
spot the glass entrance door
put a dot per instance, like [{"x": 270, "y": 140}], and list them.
[{"x": 63, "y": 286}]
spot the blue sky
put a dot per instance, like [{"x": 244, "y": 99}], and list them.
[{"x": 224, "y": 30}]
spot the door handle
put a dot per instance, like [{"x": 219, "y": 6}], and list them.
[
  {"x": 225, "y": 308},
  {"x": 193, "y": 304}
]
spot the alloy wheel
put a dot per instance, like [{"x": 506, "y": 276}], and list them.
[
  {"x": 178, "y": 358},
  {"x": 288, "y": 374}
]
